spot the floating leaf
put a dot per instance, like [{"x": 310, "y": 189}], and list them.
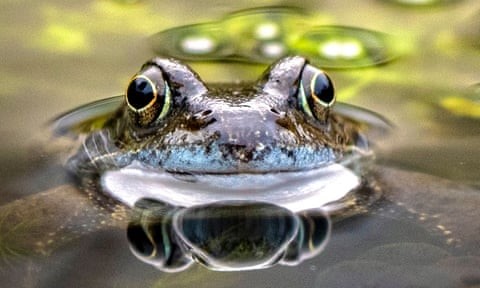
[
  {"x": 206, "y": 41},
  {"x": 345, "y": 47},
  {"x": 264, "y": 34},
  {"x": 466, "y": 105}
]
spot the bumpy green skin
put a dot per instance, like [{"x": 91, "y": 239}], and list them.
[{"x": 231, "y": 128}]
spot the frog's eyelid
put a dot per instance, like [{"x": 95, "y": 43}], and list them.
[
  {"x": 280, "y": 81},
  {"x": 182, "y": 79},
  {"x": 165, "y": 75}
]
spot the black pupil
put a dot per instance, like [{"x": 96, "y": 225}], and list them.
[
  {"x": 140, "y": 93},
  {"x": 323, "y": 88}
]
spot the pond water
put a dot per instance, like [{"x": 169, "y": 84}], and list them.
[{"x": 424, "y": 232}]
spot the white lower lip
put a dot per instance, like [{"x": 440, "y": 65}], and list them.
[{"x": 296, "y": 191}]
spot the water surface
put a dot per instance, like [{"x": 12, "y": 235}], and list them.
[{"x": 58, "y": 56}]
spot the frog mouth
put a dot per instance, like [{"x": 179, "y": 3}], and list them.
[{"x": 294, "y": 190}]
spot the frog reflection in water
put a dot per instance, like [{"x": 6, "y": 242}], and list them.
[
  {"x": 231, "y": 137},
  {"x": 178, "y": 141}
]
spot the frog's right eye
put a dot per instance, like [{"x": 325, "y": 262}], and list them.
[
  {"x": 316, "y": 94},
  {"x": 148, "y": 96}
]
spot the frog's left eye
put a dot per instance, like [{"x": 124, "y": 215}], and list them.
[
  {"x": 316, "y": 93},
  {"x": 148, "y": 96}
]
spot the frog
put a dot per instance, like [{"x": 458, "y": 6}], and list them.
[
  {"x": 282, "y": 139},
  {"x": 176, "y": 139},
  {"x": 184, "y": 143},
  {"x": 171, "y": 120}
]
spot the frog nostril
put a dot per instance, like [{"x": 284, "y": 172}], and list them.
[
  {"x": 206, "y": 113},
  {"x": 203, "y": 114},
  {"x": 274, "y": 111},
  {"x": 202, "y": 119}
]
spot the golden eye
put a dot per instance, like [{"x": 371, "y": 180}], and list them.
[
  {"x": 316, "y": 93},
  {"x": 141, "y": 93},
  {"x": 148, "y": 96}
]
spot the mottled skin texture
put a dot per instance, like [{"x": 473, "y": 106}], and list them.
[{"x": 230, "y": 128}]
